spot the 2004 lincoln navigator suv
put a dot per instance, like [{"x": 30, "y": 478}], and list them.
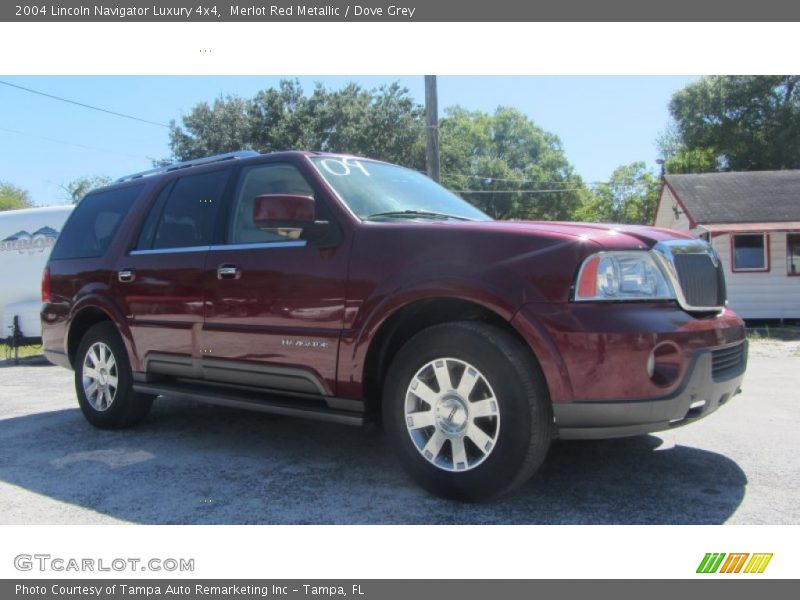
[{"x": 347, "y": 289}]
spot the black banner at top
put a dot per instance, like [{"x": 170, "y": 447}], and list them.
[{"x": 400, "y": 10}]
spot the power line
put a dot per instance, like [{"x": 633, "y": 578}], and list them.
[
  {"x": 73, "y": 144},
  {"x": 104, "y": 110},
  {"x": 575, "y": 189},
  {"x": 491, "y": 179}
]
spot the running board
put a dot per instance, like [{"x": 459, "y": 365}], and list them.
[{"x": 268, "y": 403}]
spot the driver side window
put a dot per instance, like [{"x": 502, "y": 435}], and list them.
[{"x": 255, "y": 181}]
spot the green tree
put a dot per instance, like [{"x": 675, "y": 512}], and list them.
[
  {"x": 629, "y": 196},
  {"x": 76, "y": 189},
  {"x": 680, "y": 159},
  {"x": 693, "y": 160},
  {"x": 737, "y": 122},
  {"x": 382, "y": 123},
  {"x": 13, "y": 197},
  {"x": 507, "y": 166}
]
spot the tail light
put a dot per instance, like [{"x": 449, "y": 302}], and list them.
[{"x": 47, "y": 296}]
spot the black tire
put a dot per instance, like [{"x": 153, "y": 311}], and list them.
[
  {"x": 126, "y": 408},
  {"x": 522, "y": 428}
]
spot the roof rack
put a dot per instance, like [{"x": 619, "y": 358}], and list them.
[{"x": 190, "y": 163}]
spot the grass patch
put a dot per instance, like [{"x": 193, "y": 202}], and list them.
[
  {"x": 7, "y": 352},
  {"x": 774, "y": 333}
]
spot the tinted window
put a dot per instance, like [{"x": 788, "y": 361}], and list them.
[
  {"x": 255, "y": 181},
  {"x": 149, "y": 228},
  {"x": 94, "y": 223},
  {"x": 190, "y": 212}
]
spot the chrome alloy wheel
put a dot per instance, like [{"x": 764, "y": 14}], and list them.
[
  {"x": 100, "y": 376},
  {"x": 452, "y": 415}
]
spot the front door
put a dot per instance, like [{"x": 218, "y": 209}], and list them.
[{"x": 274, "y": 297}]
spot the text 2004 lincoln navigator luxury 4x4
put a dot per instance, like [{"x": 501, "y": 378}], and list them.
[{"x": 345, "y": 289}]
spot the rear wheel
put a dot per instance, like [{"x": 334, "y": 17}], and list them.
[
  {"x": 104, "y": 382},
  {"x": 466, "y": 408}
]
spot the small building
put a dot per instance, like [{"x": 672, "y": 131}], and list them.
[{"x": 753, "y": 221}]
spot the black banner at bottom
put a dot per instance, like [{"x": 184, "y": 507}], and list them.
[{"x": 390, "y": 589}]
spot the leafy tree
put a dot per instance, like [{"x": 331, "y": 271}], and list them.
[
  {"x": 736, "y": 122},
  {"x": 382, "y": 123},
  {"x": 680, "y": 159},
  {"x": 693, "y": 160},
  {"x": 13, "y": 197},
  {"x": 221, "y": 127},
  {"x": 629, "y": 196},
  {"x": 516, "y": 169},
  {"x": 78, "y": 188}
]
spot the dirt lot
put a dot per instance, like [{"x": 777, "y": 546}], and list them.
[{"x": 191, "y": 463}]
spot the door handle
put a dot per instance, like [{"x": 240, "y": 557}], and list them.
[
  {"x": 229, "y": 272},
  {"x": 126, "y": 275}
]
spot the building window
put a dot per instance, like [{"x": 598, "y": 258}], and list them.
[
  {"x": 750, "y": 252},
  {"x": 793, "y": 253}
]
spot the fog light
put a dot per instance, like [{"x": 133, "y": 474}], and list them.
[{"x": 664, "y": 364}]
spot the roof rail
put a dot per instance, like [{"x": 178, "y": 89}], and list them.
[{"x": 190, "y": 163}]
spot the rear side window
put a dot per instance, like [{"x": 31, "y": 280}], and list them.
[
  {"x": 153, "y": 218},
  {"x": 185, "y": 213},
  {"x": 94, "y": 223}
]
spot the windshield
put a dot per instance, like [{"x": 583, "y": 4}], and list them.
[{"x": 379, "y": 191}]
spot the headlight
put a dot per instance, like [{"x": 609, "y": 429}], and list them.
[{"x": 622, "y": 276}]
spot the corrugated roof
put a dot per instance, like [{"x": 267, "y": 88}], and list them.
[{"x": 739, "y": 197}]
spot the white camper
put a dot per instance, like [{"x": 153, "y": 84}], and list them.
[{"x": 26, "y": 238}]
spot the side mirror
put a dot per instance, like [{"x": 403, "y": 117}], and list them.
[{"x": 272, "y": 211}]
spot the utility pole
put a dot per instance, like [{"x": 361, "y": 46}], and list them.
[{"x": 432, "y": 126}]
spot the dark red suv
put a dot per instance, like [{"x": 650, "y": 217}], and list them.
[{"x": 347, "y": 289}]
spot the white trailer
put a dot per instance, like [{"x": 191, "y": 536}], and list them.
[{"x": 26, "y": 238}]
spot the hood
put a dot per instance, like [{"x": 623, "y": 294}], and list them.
[{"x": 609, "y": 236}]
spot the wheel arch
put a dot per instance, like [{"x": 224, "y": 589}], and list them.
[
  {"x": 87, "y": 315},
  {"x": 411, "y": 318}
]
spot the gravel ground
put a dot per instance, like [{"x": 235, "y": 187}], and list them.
[{"x": 192, "y": 463}]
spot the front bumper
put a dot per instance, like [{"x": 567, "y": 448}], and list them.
[{"x": 703, "y": 389}]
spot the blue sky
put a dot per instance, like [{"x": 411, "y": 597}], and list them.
[{"x": 603, "y": 121}]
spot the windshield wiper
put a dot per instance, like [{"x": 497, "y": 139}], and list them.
[{"x": 415, "y": 213}]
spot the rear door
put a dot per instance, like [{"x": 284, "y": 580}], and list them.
[
  {"x": 274, "y": 297},
  {"x": 160, "y": 280}
]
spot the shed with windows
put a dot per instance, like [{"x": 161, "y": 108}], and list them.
[{"x": 753, "y": 221}]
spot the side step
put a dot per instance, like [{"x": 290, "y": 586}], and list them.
[{"x": 268, "y": 403}]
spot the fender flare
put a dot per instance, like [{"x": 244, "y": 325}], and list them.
[{"x": 98, "y": 302}]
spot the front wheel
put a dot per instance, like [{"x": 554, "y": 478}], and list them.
[
  {"x": 467, "y": 409},
  {"x": 104, "y": 382}
]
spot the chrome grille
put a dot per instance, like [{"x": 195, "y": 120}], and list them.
[
  {"x": 696, "y": 274},
  {"x": 702, "y": 281},
  {"x": 728, "y": 362}
]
